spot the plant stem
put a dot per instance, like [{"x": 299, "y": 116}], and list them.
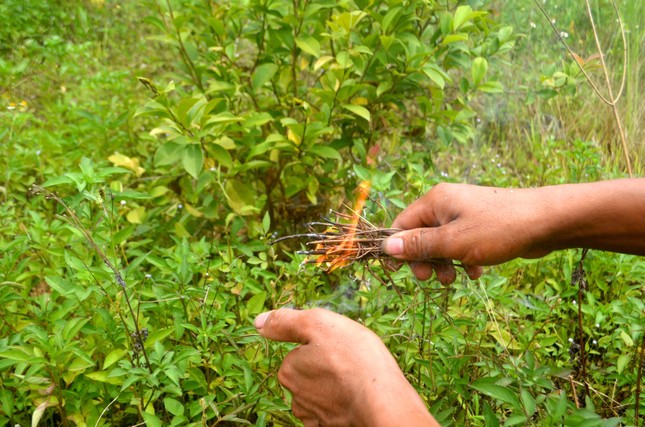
[
  {"x": 614, "y": 101},
  {"x": 611, "y": 101}
]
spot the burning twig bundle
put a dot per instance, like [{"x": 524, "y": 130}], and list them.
[{"x": 337, "y": 243}]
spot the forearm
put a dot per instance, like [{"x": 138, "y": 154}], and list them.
[{"x": 607, "y": 215}]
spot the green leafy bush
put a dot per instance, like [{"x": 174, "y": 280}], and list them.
[{"x": 275, "y": 103}]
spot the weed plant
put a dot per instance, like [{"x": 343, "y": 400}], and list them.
[{"x": 133, "y": 268}]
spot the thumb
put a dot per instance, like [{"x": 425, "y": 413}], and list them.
[
  {"x": 284, "y": 324},
  {"x": 419, "y": 244}
]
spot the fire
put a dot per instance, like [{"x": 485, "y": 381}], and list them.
[{"x": 338, "y": 255}]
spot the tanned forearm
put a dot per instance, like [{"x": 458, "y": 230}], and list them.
[{"x": 606, "y": 215}]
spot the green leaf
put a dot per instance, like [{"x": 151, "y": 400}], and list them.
[
  {"x": 152, "y": 108},
  {"x": 309, "y": 45},
  {"x": 151, "y": 419},
  {"x": 629, "y": 342},
  {"x": 16, "y": 354},
  {"x": 257, "y": 119},
  {"x": 358, "y": 110},
  {"x": 343, "y": 59},
  {"x": 262, "y": 74},
  {"x": 515, "y": 420},
  {"x": 64, "y": 179},
  {"x": 326, "y": 152},
  {"x": 104, "y": 377},
  {"x": 454, "y": 38},
  {"x": 221, "y": 155},
  {"x": 445, "y": 22},
  {"x": 383, "y": 87},
  {"x": 158, "y": 335},
  {"x": 173, "y": 406},
  {"x": 622, "y": 362},
  {"x": 113, "y": 357},
  {"x": 266, "y": 222},
  {"x": 192, "y": 158},
  {"x": 256, "y": 303},
  {"x": 479, "y": 69},
  {"x": 436, "y": 74},
  {"x": 498, "y": 392},
  {"x": 528, "y": 401},
  {"x": 60, "y": 285},
  {"x": 491, "y": 87},
  {"x": 72, "y": 327},
  {"x": 168, "y": 154},
  {"x": 389, "y": 17},
  {"x": 463, "y": 14},
  {"x": 240, "y": 197},
  {"x": 489, "y": 415}
]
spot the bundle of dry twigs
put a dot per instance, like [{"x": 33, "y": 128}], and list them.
[{"x": 337, "y": 243}]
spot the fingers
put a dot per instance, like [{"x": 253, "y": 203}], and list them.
[
  {"x": 419, "y": 244},
  {"x": 445, "y": 272},
  {"x": 474, "y": 271},
  {"x": 285, "y": 324}
]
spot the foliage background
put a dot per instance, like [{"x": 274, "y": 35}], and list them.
[{"x": 130, "y": 276}]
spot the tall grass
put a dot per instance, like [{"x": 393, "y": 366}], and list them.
[{"x": 577, "y": 113}]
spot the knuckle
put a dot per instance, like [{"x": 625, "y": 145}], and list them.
[
  {"x": 284, "y": 376},
  {"x": 418, "y": 249},
  {"x": 298, "y": 410}
]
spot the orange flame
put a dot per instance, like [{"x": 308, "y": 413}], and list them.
[{"x": 337, "y": 256}]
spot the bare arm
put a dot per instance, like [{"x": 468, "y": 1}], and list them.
[{"x": 486, "y": 225}]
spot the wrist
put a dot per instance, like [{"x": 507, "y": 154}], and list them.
[{"x": 390, "y": 400}]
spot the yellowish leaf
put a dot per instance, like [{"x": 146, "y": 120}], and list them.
[
  {"x": 136, "y": 216},
  {"x": 360, "y": 100},
  {"x": 293, "y": 137},
  {"x": 127, "y": 162},
  {"x": 191, "y": 210}
]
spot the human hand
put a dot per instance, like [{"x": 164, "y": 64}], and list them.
[
  {"x": 475, "y": 225},
  {"x": 341, "y": 374}
]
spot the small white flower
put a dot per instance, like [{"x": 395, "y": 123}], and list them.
[
  {"x": 123, "y": 202},
  {"x": 148, "y": 276},
  {"x": 213, "y": 169},
  {"x": 575, "y": 302},
  {"x": 553, "y": 21},
  {"x": 533, "y": 25},
  {"x": 564, "y": 34},
  {"x": 180, "y": 206},
  {"x": 594, "y": 342},
  {"x": 597, "y": 325},
  {"x": 570, "y": 339},
  {"x": 38, "y": 152}
]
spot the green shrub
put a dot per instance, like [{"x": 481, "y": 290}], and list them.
[{"x": 276, "y": 104}]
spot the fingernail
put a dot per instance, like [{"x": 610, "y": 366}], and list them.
[
  {"x": 393, "y": 246},
  {"x": 261, "y": 320}
]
